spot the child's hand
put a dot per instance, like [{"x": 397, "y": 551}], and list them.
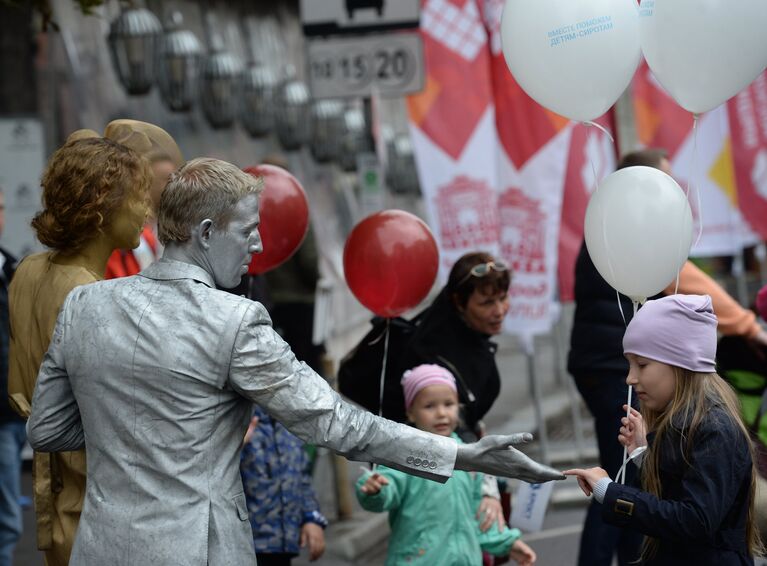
[
  {"x": 632, "y": 433},
  {"x": 373, "y": 484},
  {"x": 251, "y": 429},
  {"x": 587, "y": 479},
  {"x": 522, "y": 554},
  {"x": 313, "y": 535},
  {"x": 490, "y": 511}
]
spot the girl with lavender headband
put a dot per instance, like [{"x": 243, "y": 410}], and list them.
[{"x": 696, "y": 504}]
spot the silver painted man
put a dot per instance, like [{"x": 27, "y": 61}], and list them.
[{"x": 155, "y": 375}]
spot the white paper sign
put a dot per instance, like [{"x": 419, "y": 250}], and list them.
[{"x": 529, "y": 507}]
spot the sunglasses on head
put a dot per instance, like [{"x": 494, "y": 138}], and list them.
[{"x": 482, "y": 269}]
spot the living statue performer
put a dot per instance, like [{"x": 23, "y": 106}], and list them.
[
  {"x": 94, "y": 200},
  {"x": 164, "y": 156},
  {"x": 156, "y": 375}
]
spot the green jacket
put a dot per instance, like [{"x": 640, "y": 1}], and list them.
[{"x": 434, "y": 523}]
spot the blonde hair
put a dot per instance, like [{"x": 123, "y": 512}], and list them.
[
  {"x": 203, "y": 188},
  {"x": 694, "y": 396}
]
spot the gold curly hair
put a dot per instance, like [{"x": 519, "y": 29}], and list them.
[{"x": 85, "y": 182}]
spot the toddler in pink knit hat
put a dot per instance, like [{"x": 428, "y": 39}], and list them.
[{"x": 433, "y": 523}]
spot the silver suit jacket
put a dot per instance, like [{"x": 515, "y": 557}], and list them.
[{"x": 155, "y": 375}]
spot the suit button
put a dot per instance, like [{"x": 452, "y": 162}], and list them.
[
  {"x": 417, "y": 462},
  {"x": 409, "y": 460},
  {"x": 432, "y": 465}
]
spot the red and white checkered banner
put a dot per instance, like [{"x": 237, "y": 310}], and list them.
[
  {"x": 532, "y": 159},
  {"x": 748, "y": 126},
  {"x": 493, "y": 164},
  {"x": 452, "y": 123},
  {"x": 706, "y": 163}
]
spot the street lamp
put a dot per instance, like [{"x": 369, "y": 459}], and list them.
[
  {"x": 258, "y": 93},
  {"x": 220, "y": 83},
  {"x": 354, "y": 139},
  {"x": 132, "y": 39},
  {"x": 292, "y": 112},
  {"x": 327, "y": 129},
  {"x": 179, "y": 65},
  {"x": 402, "y": 174}
]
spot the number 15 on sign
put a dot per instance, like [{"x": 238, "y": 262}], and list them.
[{"x": 390, "y": 64}]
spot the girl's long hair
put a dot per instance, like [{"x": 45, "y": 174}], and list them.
[{"x": 694, "y": 396}]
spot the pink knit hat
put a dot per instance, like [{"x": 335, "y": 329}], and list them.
[
  {"x": 679, "y": 330},
  {"x": 413, "y": 380}
]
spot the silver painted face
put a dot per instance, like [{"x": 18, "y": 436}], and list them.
[{"x": 231, "y": 247}]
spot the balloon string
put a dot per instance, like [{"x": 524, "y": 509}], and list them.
[
  {"x": 382, "y": 380},
  {"x": 621, "y": 477},
  {"x": 620, "y": 307},
  {"x": 383, "y": 368},
  {"x": 604, "y": 225},
  {"x": 693, "y": 178},
  {"x": 605, "y": 131}
]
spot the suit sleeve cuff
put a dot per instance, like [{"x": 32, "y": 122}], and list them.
[{"x": 600, "y": 489}]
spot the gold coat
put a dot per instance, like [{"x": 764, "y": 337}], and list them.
[{"x": 36, "y": 294}]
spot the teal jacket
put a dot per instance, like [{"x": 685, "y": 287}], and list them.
[{"x": 434, "y": 523}]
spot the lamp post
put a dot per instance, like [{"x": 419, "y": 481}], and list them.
[
  {"x": 133, "y": 39},
  {"x": 179, "y": 65}
]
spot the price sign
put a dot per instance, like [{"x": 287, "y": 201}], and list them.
[{"x": 389, "y": 64}]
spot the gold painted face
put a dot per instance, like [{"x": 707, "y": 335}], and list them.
[
  {"x": 128, "y": 221},
  {"x": 161, "y": 171}
]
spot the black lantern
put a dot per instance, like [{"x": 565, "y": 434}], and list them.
[
  {"x": 220, "y": 84},
  {"x": 292, "y": 112},
  {"x": 133, "y": 39},
  {"x": 354, "y": 140},
  {"x": 402, "y": 174},
  {"x": 178, "y": 65},
  {"x": 327, "y": 129},
  {"x": 258, "y": 93}
]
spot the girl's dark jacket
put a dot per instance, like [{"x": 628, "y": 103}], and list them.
[{"x": 701, "y": 517}]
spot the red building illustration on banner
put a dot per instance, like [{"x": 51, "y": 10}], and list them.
[
  {"x": 467, "y": 214},
  {"x": 523, "y": 226}
]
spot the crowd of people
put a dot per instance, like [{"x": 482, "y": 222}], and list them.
[{"x": 138, "y": 364}]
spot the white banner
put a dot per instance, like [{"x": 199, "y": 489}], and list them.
[{"x": 704, "y": 166}]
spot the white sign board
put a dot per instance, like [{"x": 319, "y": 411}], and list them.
[
  {"x": 332, "y": 17},
  {"x": 530, "y": 503},
  {"x": 22, "y": 158},
  {"x": 388, "y": 64}
]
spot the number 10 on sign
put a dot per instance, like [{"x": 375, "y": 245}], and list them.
[{"x": 389, "y": 64}]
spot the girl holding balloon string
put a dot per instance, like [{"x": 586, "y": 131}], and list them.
[{"x": 696, "y": 505}]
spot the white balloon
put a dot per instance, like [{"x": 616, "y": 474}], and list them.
[
  {"x": 704, "y": 51},
  {"x": 638, "y": 230},
  {"x": 573, "y": 57}
]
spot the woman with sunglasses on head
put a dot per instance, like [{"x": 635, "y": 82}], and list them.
[{"x": 454, "y": 332}]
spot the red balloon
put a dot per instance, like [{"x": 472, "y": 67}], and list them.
[
  {"x": 390, "y": 262},
  {"x": 284, "y": 217}
]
